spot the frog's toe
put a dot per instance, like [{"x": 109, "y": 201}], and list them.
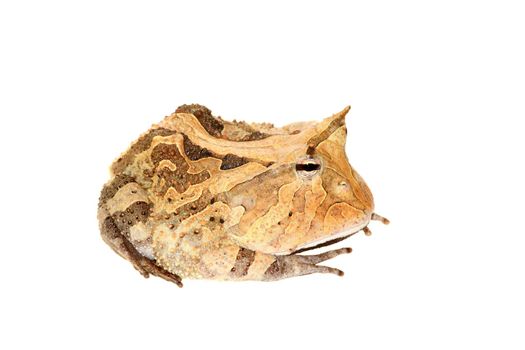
[
  {"x": 317, "y": 258},
  {"x": 326, "y": 269},
  {"x": 141, "y": 270},
  {"x": 151, "y": 268}
]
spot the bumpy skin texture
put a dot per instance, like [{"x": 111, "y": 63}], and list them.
[{"x": 199, "y": 197}]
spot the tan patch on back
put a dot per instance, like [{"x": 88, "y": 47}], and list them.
[
  {"x": 272, "y": 149},
  {"x": 227, "y": 180},
  {"x": 125, "y": 196}
]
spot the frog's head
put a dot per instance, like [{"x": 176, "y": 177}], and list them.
[
  {"x": 308, "y": 194},
  {"x": 347, "y": 203}
]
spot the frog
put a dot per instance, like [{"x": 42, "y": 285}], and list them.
[{"x": 200, "y": 197}]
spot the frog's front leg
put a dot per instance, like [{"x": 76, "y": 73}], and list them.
[
  {"x": 247, "y": 264},
  {"x": 286, "y": 266}
]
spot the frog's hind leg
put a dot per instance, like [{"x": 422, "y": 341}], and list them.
[
  {"x": 122, "y": 246},
  {"x": 116, "y": 223},
  {"x": 286, "y": 266}
]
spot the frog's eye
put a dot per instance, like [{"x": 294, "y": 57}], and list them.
[{"x": 308, "y": 166}]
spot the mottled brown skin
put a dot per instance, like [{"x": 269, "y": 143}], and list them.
[{"x": 200, "y": 197}]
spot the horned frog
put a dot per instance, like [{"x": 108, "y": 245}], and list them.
[{"x": 200, "y": 197}]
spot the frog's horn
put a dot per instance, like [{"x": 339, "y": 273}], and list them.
[{"x": 327, "y": 128}]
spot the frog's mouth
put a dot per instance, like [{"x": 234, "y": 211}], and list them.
[
  {"x": 342, "y": 235},
  {"x": 332, "y": 239}
]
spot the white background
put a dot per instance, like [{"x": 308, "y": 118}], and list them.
[{"x": 436, "y": 129}]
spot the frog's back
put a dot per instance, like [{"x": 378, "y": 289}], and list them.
[{"x": 162, "y": 197}]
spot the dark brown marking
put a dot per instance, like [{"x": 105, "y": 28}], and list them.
[
  {"x": 240, "y": 131},
  {"x": 254, "y": 136},
  {"x": 244, "y": 260},
  {"x": 135, "y": 213},
  {"x": 139, "y": 146},
  {"x": 276, "y": 270},
  {"x": 179, "y": 179},
  {"x": 333, "y": 126},
  {"x": 273, "y": 268},
  {"x": 193, "y": 151},
  {"x": 231, "y": 161},
  {"x": 109, "y": 190},
  {"x": 199, "y": 204},
  {"x": 296, "y": 265},
  {"x": 109, "y": 229},
  {"x": 211, "y": 124}
]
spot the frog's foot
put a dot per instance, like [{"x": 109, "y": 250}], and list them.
[
  {"x": 286, "y": 266},
  {"x": 120, "y": 244}
]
